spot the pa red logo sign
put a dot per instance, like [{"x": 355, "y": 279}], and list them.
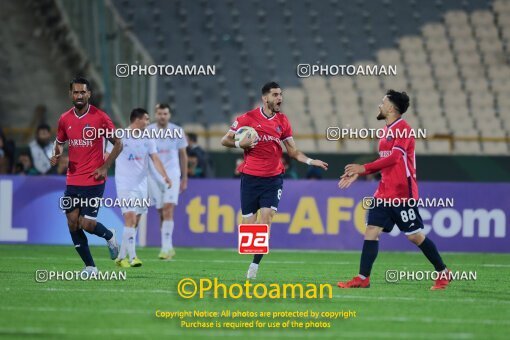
[{"x": 253, "y": 239}]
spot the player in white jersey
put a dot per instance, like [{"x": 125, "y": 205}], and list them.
[
  {"x": 131, "y": 172},
  {"x": 172, "y": 152}
]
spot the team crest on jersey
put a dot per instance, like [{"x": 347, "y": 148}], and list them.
[{"x": 279, "y": 129}]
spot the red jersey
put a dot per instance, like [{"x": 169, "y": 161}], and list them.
[
  {"x": 264, "y": 160},
  {"x": 85, "y": 154},
  {"x": 397, "y": 162}
]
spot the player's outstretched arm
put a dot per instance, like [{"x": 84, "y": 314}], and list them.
[
  {"x": 293, "y": 152},
  {"x": 377, "y": 165},
  {"x": 246, "y": 143},
  {"x": 160, "y": 168}
]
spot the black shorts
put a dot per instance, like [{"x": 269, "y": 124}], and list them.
[
  {"x": 407, "y": 219},
  {"x": 260, "y": 192},
  {"x": 89, "y": 196}
]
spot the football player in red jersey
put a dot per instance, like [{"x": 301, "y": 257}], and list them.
[
  {"x": 86, "y": 175},
  {"x": 262, "y": 169},
  {"x": 398, "y": 184}
]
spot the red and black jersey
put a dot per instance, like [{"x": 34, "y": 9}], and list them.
[
  {"x": 85, "y": 154},
  {"x": 397, "y": 162},
  {"x": 264, "y": 160}
]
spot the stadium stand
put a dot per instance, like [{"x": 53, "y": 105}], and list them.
[
  {"x": 24, "y": 59},
  {"x": 451, "y": 57}
]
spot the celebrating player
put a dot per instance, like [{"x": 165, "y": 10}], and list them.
[
  {"x": 87, "y": 169},
  {"x": 172, "y": 152},
  {"x": 262, "y": 169},
  {"x": 398, "y": 184},
  {"x": 131, "y": 172}
]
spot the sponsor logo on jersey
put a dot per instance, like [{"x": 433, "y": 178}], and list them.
[
  {"x": 268, "y": 138},
  {"x": 134, "y": 158},
  {"x": 80, "y": 143}
]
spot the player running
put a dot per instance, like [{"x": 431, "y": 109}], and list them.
[
  {"x": 398, "y": 181},
  {"x": 131, "y": 172},
  {"x": 262, "y": 169},
  {"x": 87, "y": 170},
  {"x": 172, "y": 152}
]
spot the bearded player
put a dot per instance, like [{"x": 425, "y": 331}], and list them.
[
  {"x": 398, "y": 184},
  {"x": 86, "y": 175},
  {"x": 262, "y": 169}
]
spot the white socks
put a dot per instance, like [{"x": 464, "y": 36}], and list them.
[
  {"x": 167, "y": 230},
  {"x": 131, "y": 243},
  {"x": 123, "y": 244},
  {"x": 128, "y": 243}
]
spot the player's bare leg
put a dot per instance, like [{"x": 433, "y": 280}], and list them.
[
  {"x": 368, "y": 256},
  {"x": 127, "y": 255},
  {"x": 80, "y": 240},
  {"x": 430, "y": 251},
  {"x": 266, "y": 217},
  {"x": 97, "y": 228},
  {"x": 167, "y": 228},
  {"x": 252, "y": 270}
]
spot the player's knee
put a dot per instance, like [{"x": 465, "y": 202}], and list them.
[
  {"x": 372, "y": 233},
  {"x": 130, "y": 219},
  {"x": 88, "y": 225},
  {"x": 72, "y": 224},
  {"x": 168, "y": 212},
  {"x": 416, "y": 238},
  {"x": 265, "y": 220},
  {"x": 266, "y": 217},
  {"x": 249, "y": 219}
]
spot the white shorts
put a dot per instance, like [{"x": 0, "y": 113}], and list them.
[
  {"x": 160, "y": 196},
  {"x": 133, "y": 200}
]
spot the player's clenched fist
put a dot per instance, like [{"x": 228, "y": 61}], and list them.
[
  {"x": 168, "y": 181},
  {"x": 54, "y": 160},
  {"x": 100, "y": 173}
]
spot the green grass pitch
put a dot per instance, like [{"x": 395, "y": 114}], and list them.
[{"x": 126, "y": 309}]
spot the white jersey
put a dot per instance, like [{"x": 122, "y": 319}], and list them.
[
  {"x": 132, "y": 165},
  {"x": 168, "y": 152}
]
